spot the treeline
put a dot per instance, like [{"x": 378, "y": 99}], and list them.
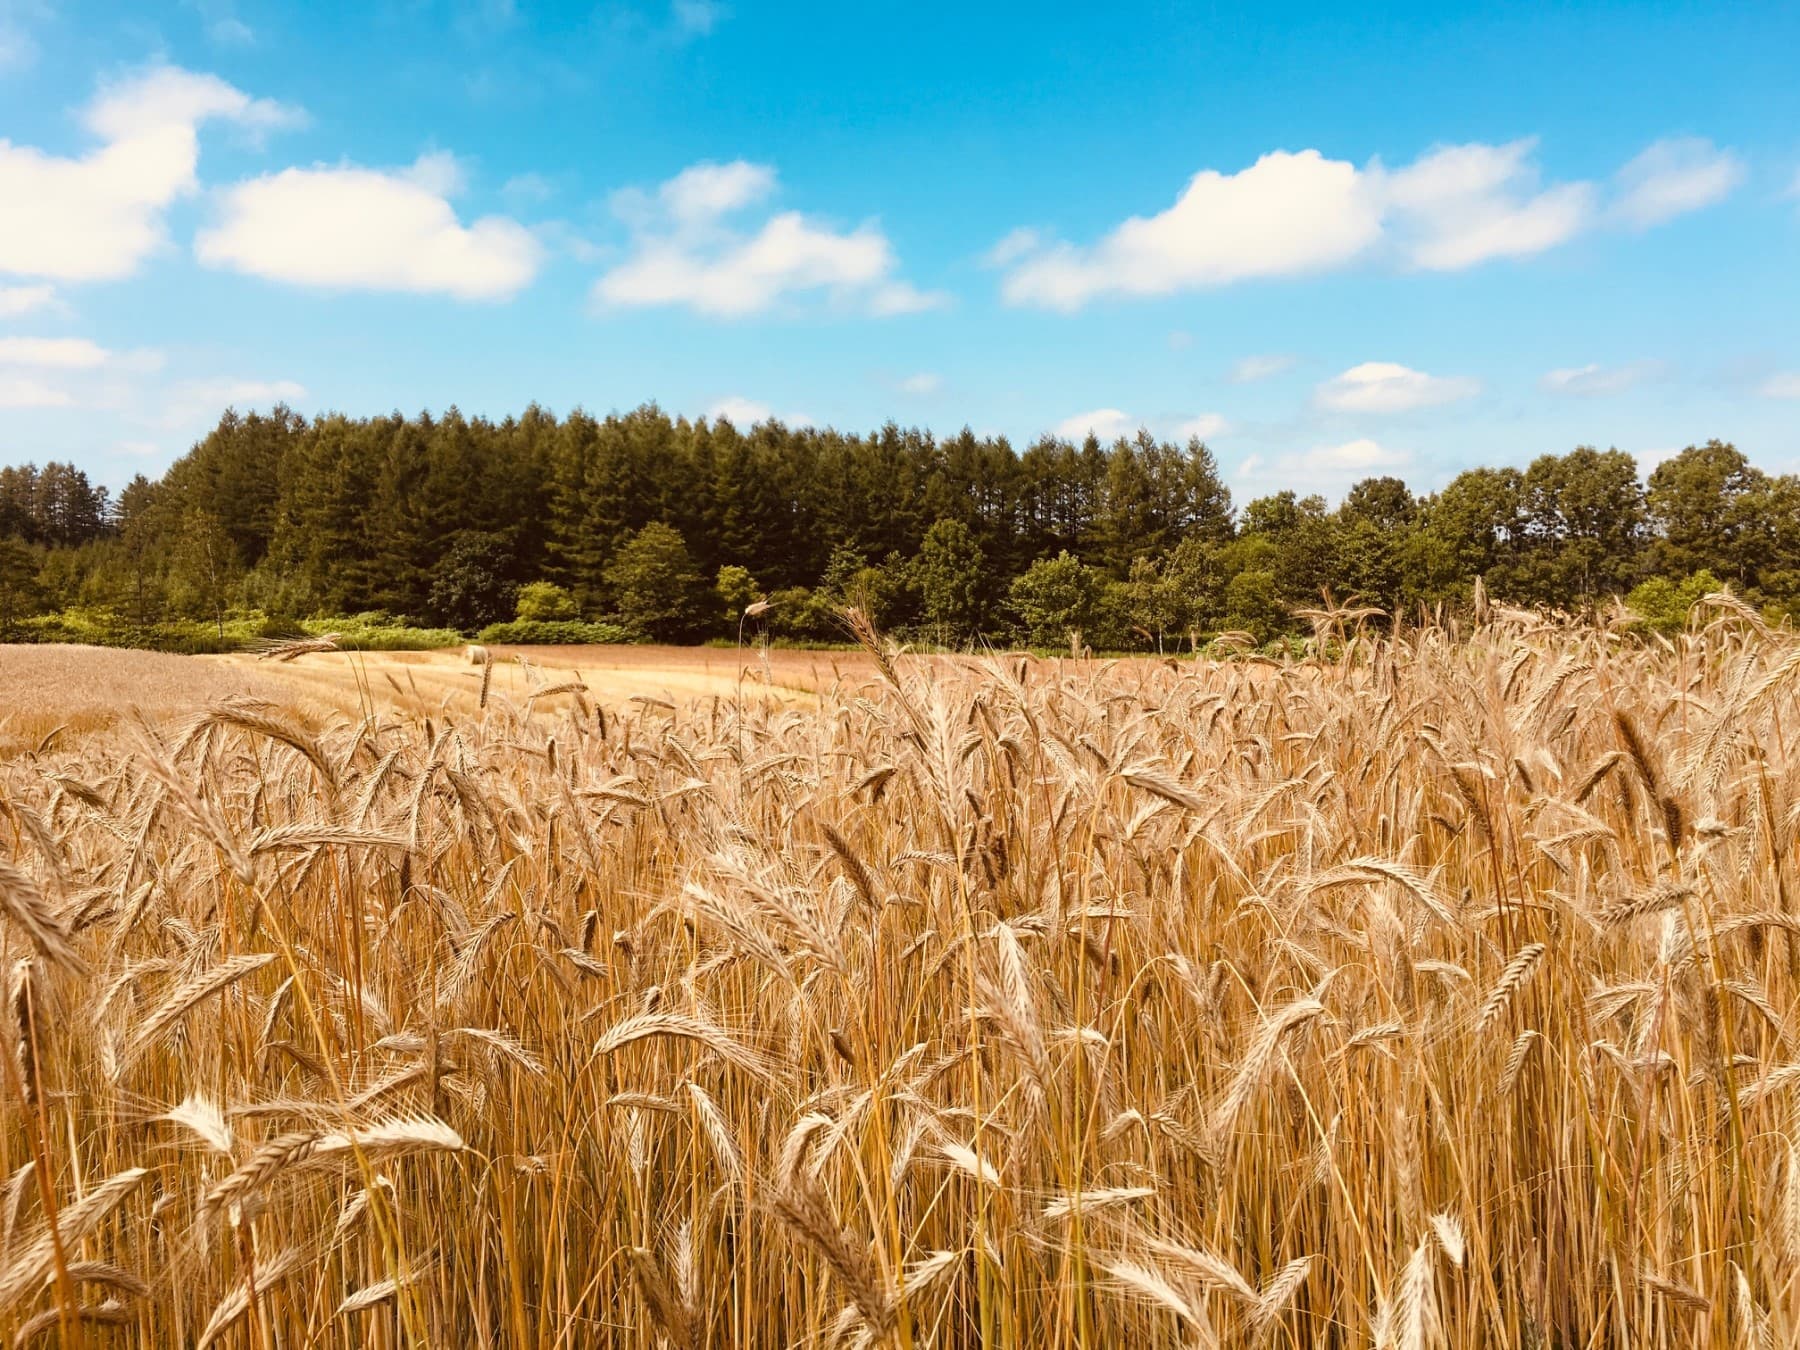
[{"x": 671, "y": 528}]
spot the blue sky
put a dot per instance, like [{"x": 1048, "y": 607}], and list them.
[{"x": 1333, "y": 240}]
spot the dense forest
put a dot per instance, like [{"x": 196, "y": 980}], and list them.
[{"x": 671, "y": 528}]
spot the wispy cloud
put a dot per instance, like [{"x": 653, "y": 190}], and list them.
[
  {"x": 922, "y": 385},
  {"x": 1109, "y": 424},
  {"x": 16, "y": 301},
  {"x": 1250, "y": 369},
  {"x": 1783, "y": 384},
  {"x": 1673, "y": 177},
  {"x": 1598, "y": 381}
]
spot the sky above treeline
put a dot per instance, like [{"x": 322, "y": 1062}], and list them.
[{"x": 1332, "y": 241}]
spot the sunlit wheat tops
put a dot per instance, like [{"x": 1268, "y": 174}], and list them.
[{"x": 1441, "y": 993}]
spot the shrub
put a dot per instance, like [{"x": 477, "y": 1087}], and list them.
[
  {"x": 546, "y": 602},
  {"x": 1662, "y": 605},
  {"x": 563, "y": 633}
]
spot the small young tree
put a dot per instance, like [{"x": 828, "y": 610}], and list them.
[
  {"x": 949, "y": 573},
  {"x": 205, "y": 566},
  {"x": 654, "y": 585},
  {"x": 1056, "y": 599}
]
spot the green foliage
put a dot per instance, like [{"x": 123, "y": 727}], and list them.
[
  {"x": 555, "y": 633},
  {"x": 736, "y": 590},
  {"x": 798, "y": 613},
  {"x": 20, "y": 594},
  {"x": 1663, "y": 605},
  {"x": 950, "y": 575},
  {"x": 460, "y": 521},
  {"x": 1253, "y": 605},
  {"x": 470, "y": 587},
  {"x": 545, "y": 602},
  {"x": 1056, "y": 599},
  {"x": 654, "y": 585}
]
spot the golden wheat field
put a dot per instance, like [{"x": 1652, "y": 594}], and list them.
[{"x": 1440, "y": 994}]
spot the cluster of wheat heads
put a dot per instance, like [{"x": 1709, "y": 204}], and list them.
[{"x": 1438, "y": 994}]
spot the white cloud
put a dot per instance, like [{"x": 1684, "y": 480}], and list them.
[
  {"x": 1465, "y": 204},
  {"x": 1204, "y": 427},
  {"x": 199, "y": 402},
  {"x": 27, "y": 391},
  {"x": 1283, "y": 215},
  {"x": 685, "y": 252},
  {"x": 1105, "y": 423},
  {"x": 52, "y": 353},
  {"x": 1290, "y": 214},
  {"x": 369, "y": 229},
  {"x": 1386, "y": 387},
  {"x": 16, "y": 301},
  {"x": 744, "y": 413},
  {"x": 923, "y": 384},
  {"x": 1015, "y": 245},
  {"x": 1597, "y": 381},
  {"x": 1783, "y": 384},
  {"x": 1253, "y": 368},
  {"x": 99, "y": 216},
  {"x": 1358, "y": 456},
  {"x": 1673, "y": 177}
]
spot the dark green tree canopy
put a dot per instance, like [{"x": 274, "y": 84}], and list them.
[{"x": 445, "y": 517}]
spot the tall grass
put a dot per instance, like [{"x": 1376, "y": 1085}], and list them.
[{"x": 1441, "y": 995}]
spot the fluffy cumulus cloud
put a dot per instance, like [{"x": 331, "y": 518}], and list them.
[
  {"x": 97, "y": 217},
  {"x": 1387, "y": 387},
  {"x": 1598, "y": 381},
  {"x": 688, "y": 249},
  {"x": 1285, "y": 214},
  {"x": 353, "y": 228},
  {"x": 1290, "y": 214},
  {"x": 1106, "y": 423},
  {"x": 1673, "y": 177}
]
